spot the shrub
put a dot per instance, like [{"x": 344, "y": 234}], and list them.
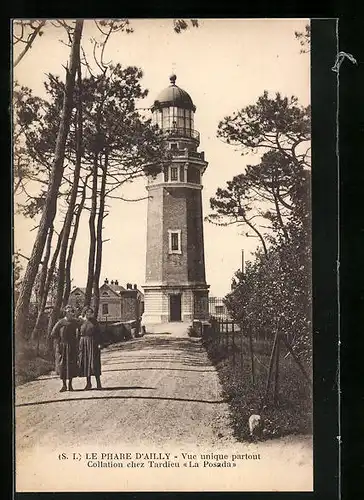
[
  {"x": 193, "y": 332},
  {"x": 292, "y": 414},
  {"x": 32, "y": 360}
]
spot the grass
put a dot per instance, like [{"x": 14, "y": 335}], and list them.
[
  {"x": 31, "y": 361},
  {"x": 291, "y": 414}
]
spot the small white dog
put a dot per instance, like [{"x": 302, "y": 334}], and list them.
[{"x": 255, "y": 422}]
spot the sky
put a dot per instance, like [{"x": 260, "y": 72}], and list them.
[{"x": 224, "y": 65}]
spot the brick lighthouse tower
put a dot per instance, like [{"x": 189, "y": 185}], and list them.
[{"x": 175, "y": 287}]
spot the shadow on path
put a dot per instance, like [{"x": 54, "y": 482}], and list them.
[
  {"x": 163, "y": 343},
  {"x": 155, "y": 368},
  {"x": 119, "y": 388},
  {"x": 158, "y": 398}
]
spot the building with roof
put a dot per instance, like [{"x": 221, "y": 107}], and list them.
[
  {"x": 175, "y": 287},
  {"x": 117, "y": 303}
]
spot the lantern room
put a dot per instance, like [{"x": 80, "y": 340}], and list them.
[{"x": 173, "y": 112}]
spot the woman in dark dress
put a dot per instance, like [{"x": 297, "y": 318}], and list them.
[
  {"x": 89, "y": 358},
  {"x": 66, "y": 341}
]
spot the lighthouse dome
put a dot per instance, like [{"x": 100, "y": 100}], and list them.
[{"x": 174, "y": 96}]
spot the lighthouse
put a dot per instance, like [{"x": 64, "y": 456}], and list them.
[{"x": 175, "y": 284}]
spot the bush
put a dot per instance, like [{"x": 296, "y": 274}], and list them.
[
  {"x": 292, "y": 414},
  {"x": 31, "y": 361},
  {"x": 121, "y": 332}
]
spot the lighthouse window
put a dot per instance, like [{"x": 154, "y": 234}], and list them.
[
  {"x": 181, "y": 118},
  {"x": 175, "y": 241},
  {"x": 182, "y": 173},
  {"x": 174, "y": 174},
  {"x": 165, "y": 118},
  {"x": 173, "y": 117},
  {"x": 188, "y": 119}
]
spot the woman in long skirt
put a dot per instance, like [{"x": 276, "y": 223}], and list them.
[
  {"x": 66, "y": 340},
  {"x": 89, "y": 359}
]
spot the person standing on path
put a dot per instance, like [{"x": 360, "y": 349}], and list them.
[
  {"x": 89, "y": 358},
  {"x": 66, "y": 341}
]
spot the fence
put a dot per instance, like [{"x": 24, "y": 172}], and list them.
[
  {"x": 230, "y": 337},
  {"x": 218, "y": 309}
]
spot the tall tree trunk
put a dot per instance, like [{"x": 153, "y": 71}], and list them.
[
  {"x": 47, "y": 286},
  {"x": 100, "y": 221},
  {"x": 79, "y": 149},
  {"x": 43, "y": 273},
  {"x": 41, "y": 295},
  {"x": 50, "y": 207},
  {"x": 70, "y": 211},
  {"x": 67, "y": 288},
  {"x": 91, "y": 223}
]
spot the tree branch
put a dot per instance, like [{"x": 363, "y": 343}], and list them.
[{"x": 29, "y": 42}]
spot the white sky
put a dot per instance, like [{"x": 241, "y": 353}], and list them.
[{"x": 224, "y": 65}]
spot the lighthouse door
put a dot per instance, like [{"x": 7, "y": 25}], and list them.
[{"x": 175, "y": 307}]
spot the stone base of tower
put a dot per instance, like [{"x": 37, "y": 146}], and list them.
[{"x": 165, "y": 304}]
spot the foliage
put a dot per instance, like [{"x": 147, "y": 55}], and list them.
[
  {"x": 292, "y": 415},
  {"x": 272, "y": 200},
  {"x": 31, "y": 360},
  {"x": 266, "y": 195},
  {"x": 17, "y": 270},
  {"x": 275, "y": 289},
  {"x": 111, "y": 123},
  {"x": 275, "y": 293},
  {"x": 180, "y": 25},
  {"x": 46, "y": 139},
  {"x": 304, "y": 38},
  {"x": 273, "y": 124}
]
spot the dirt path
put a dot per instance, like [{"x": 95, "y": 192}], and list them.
[{"x": 160, "y": 393}]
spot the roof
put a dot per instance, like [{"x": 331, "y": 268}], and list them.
[
  {"x": 115, "y": 288},
  {"x": 174, "y": 96},
  {"x": 133, "y": 291},
  {"x": 79, "y": 289}
]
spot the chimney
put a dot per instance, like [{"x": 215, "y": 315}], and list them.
[
  {"x": 106, "y": 281},
  {"x": 135, "y": 287},
  {"x": 112, "y": 282},
  {"x": 116, "y": 282}
]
